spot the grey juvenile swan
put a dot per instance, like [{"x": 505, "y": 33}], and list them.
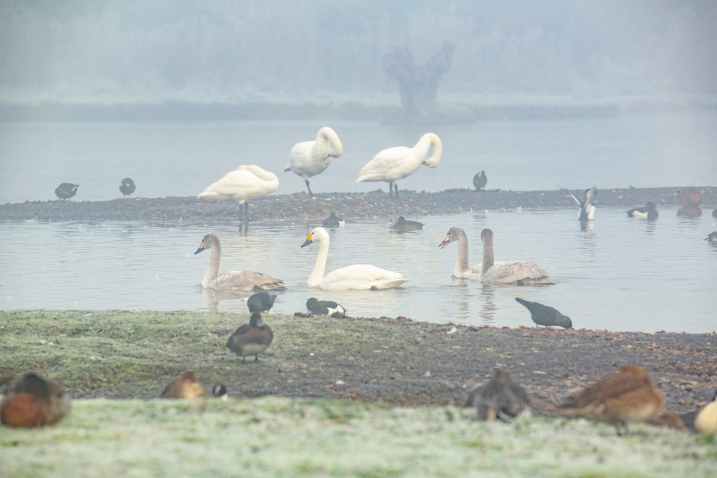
[
  {"x": 516, "y": 272},
  {"x": 462, "y": 269},
  {"x": 233, "y": 280}
]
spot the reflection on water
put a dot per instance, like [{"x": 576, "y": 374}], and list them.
[{"x": 620, "y": 274}]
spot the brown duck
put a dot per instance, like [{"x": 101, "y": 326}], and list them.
[
  {"x": 186, "y": 386},
  {"x": 33, "y": 402},
  {"x": 251, "y": 339}
]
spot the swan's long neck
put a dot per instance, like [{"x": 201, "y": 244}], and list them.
[
  {"x": 420, "y": 151},
  {"x": 328, "y": 144},
  {"x": 487, "y": 255},
  {"x": 213, "y": 268},
  {"x": 462, "y": 259},
  {"x": 317, "y": 275}
]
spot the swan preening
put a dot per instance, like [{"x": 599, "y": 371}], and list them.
[
  {"x": 587, "y": 208},
  {"x": 232, "y": 280},
  {"x": 310, "y": 158},
  {"x": 394, "y": 164},
  {"x": 245, "y": 183},
  {"x": 462, "y": 270},
  {"x": 357, "y": 276}
]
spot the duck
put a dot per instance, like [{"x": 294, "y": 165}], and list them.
[
  {"x": 261, "y": 302},
  {"x": 32, "y": 401},
  {"x": 245, "y": 183},
  {"x": 251, "y": 339},
  {"x": 627, "y": 396},
  {"x": 186, "y": 387},
  {"x": 66, "y": 190},
  {"x": 394, "y": 164},
  {"x": 689, "y": 418},
  {"x": 220, "y": 392},
  {"x": 647, "y": 212},
  {"x": 500, "y": 398},
  {"x": 333, "y": 221},
  {"x": 232, "y": 280},
  {"x": 480, "y": 180},
  {"x": 712, "y": 237},
  {"x": 587, "y": 208},
  {"x": 461, "y": 269},
  {"x": 310, "y": 158},
  {"x": 127, "y": 187},
  {"x": 515, "y": 272},
  {"x": 324, "y": 307},
  {"x": 706, "y": 419},
  {"x": 355, "y": 277},
  {"x": 689, "y": 197},
  {"x": 544, "y": 315},
  {"x": 402, "y": 225}
]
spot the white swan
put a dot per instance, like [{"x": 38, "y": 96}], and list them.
[
  {"x": 517, "y": 272},
  {"x": 461, "y": 270},
  {"x": 243, "y": 184},
  {"x": 397, "y": 163},
  {"x": 358, "y": 276},
  {"x": 232, "y": 280},
  {"x": 313, "y": 157}
]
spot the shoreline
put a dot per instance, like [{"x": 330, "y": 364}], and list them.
[{"x": 347, "y": 205}]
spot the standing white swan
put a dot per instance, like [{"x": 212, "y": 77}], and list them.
[
  {"x": 313, "y": 157},
  {"x": 517, "y": 272},
  {"x": 461, "y": 270},
  {"x": 393, "y": 164},
  {"x": 357, "y": 276},
  {"x": 243, "y": 184}
]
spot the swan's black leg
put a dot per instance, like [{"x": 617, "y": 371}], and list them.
[
  {"x": 256, "y": 358},
  {"x": 395, "y": 187},
  {"x": 246, "y": 212},
  {"x": 309, "y": 188},
  {"x": 390, "y": 189}
]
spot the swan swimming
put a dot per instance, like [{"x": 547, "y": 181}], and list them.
[
  {"x": 310, "y": 158},
  {"x": 355, "y": 277},
  {"x": 393, "y": 164},
  {"x": 516, "y": 272},
  {"x": 245, "y": 183},
  {"x": 461, "y": 270}
]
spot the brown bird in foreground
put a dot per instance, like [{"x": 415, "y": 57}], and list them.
[
  {"x": 185, "y": 386},
  {"x": 33, "y": 402},
  {"x": 625, "y": 397},
  {"x": 499, "y": 398},
  {"x": 669, "y": 420},
  {"x": 251, "y": 339}
]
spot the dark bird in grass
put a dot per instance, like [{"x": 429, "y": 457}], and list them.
[
  {"x": 544, "y": 315},
  {"x": 627, "y": 396},
  {"x": 480, "y": 180},
  {"x": 499, "y": 398},
  {"x": 33, "y": 402},
  {"x": 261, "y": 302},
  {"x": 402, "y": 225},
  {"x": 66, "y": 190},
  {"x": 324, "y": 307},
  {"x": 333, "y": 221},
  {"x": 648, "y": 212},
  {"x": 186, "y": 386},
  {"x": 251, "y": 339},
  {"x": 712, "y": 237},
  {"x": 587, "y": 207},
  {"x": 127, "y": 187},
  {"x": 220, "y": 391}
]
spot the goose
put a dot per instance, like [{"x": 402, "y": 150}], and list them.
[
  {"x": 544, "y": 315},
  {"x": 310, "y": 158},
  {"x": 355, "y": 277},
  {"x": 587, "y": 208},
  {"x": 186, "y": 386},
  {"x": 627, "y": 396},
  {"x": 324, "y": 307},
  {"x": 480, "y": 180},
  {"x": 232, "y": 280},
  {"x": 251, "y": 339},
  {"x": 333, "y": 221},
  {"x": 32, "y": 401},
  {"x": 500, "y": 398},
  {"x": 66, "y": 190},
  {"x": 516, "y": 272},
  {"x": 712, "y": 237},
  {"x": 461, "y": 270},
  {"x": 261, "y": 302},
  {"x": 648, "y": 212},
  {"x": 394, "y": 164},
  {"x": 245, "y": 183},
  {"x": 690, "y": 197},
  {"x": 127, "y": 187},
  {"x": 402, "y": 225}
]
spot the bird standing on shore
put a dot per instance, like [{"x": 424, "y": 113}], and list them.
[
  {"x": 66, "y": 190},
  {"x": 261, "y": 302},
  {"x": 32, "y": 402},
  {"x": 186, "y": 387},
  {"x": 544, "y": 315},
  {"x": 251, "y": 339},
  {"x": 587, "y": 208},
  {"x": 480, "y": 180},
  {"x": 500, "y": 398},
  {"x": 324, "y": 307},
  {"x": 310, "y": 158},
  {"x": 333, "y": 221},
  {"x": 245, "y": 183},
  {"x": 647, "y": 212},
  {"x": 127, "y": 187}
]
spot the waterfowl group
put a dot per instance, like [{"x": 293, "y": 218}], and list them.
[
  {"x": 251, "y": 339},
  {"x": 185, "y": 387},
  {"x": 310, "y": 158}
]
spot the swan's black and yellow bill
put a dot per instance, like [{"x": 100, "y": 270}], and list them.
[
  {"x": 201, "y": 248},
  {"x": 308, "y": 241}
]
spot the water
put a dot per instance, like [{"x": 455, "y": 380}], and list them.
[
  {"x": 623, "y": 274},
  {"x": 638, "y": 149}
]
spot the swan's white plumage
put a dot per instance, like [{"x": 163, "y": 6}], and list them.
[
  {"x": 241, "y": 280},
  {"x": 393, "y": 164},
  {"x": 514, "y": 271},
  {"x": 310, "y": 158},
  {"x": 243, "y": 184}
]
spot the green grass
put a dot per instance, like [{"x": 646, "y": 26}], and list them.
[{"x": 278, "y": 437}]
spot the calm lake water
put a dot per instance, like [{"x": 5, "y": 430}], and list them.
[
  {"x": 621, "y": 274},
  {"x": 638, "y": 149}
]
